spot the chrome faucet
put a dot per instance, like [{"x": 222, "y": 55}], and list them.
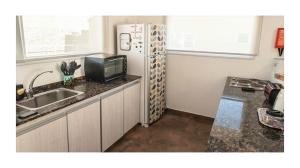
[{"x": 29, "y": 91}]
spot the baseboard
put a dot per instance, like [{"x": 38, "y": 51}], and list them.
[
  {"x": 170, "y": 110},
  {"x": 190, "y": 112}
]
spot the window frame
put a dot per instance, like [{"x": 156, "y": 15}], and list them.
[
  {"x": 222, "y": 54},
  {"x": 21, "y": 57}
]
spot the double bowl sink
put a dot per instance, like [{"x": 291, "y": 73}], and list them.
[{"x": 48, "y": 98}]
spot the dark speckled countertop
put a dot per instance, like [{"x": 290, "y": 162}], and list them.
[
  {"x": 236, "y": 127},
  {"x": 89, "y": 88}
]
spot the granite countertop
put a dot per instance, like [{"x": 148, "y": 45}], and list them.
[
  {"x": 236, "y": 127},
  {"x": 90, "y": 89}
]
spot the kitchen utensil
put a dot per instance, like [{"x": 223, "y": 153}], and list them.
[
  {"x": 73, "y": 67},
  {"x": 78, "y": 66},
  {"x": 245, "y": 89},
  {"x": 63, "y": 67},
  {"x": 68, "y": 69}
]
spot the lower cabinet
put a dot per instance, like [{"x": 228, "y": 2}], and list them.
[
  {"x": 84, "y": 129},
  {"x": 51, "y": 137},
  {"x": 92, "y": 128},
  {"x": 131, "y": 106},
  {"x": 120, "y": 112},
  {"x": 112, "y": 119}
]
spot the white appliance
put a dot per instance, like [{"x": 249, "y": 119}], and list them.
[{"x": 145, "y": 48}]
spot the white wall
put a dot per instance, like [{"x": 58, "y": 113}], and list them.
[
  {"x": 25, "y": 71},
  {"x": 195, "y": 83}
]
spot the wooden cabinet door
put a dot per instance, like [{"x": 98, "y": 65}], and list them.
[
  {"x": 112, "y": 119},
  {"x": 84, "y": 129},
  {"x": 131, "y": 106},
  {"x": 51, "y": 137}
]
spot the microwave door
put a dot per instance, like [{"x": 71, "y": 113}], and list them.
[
  {"x": 114, "y": 67},
  {"x": 119, "y": 65},
  {"x": 109, "y": 69}
]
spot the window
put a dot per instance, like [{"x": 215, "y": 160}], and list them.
[
  {"x": 46, "y": 36},
  {"x": 225, "y": 35}
]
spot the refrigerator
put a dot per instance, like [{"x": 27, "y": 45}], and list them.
[{"x": 145, "y": 48}]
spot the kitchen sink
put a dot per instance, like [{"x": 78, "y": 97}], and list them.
[{"x": 48, "y": 98}]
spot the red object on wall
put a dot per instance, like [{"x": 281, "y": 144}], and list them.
[{"x": 280, "y": 38}]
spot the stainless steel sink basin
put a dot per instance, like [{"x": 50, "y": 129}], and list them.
[{"x": 48, "y": 98}]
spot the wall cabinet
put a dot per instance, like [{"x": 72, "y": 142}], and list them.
[
  {"x": 131, "y": 106},
  {"x": 84, "y": 129},
  {"x": 112, "y": 119},
  {"x": 51, "y": 137}
]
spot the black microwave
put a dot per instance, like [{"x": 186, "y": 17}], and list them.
[{"x": 104, "y": 68}]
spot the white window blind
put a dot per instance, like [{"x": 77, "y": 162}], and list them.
[
  {"x": 45, "y": 36},
  {"x": 214, "y": 34}
]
